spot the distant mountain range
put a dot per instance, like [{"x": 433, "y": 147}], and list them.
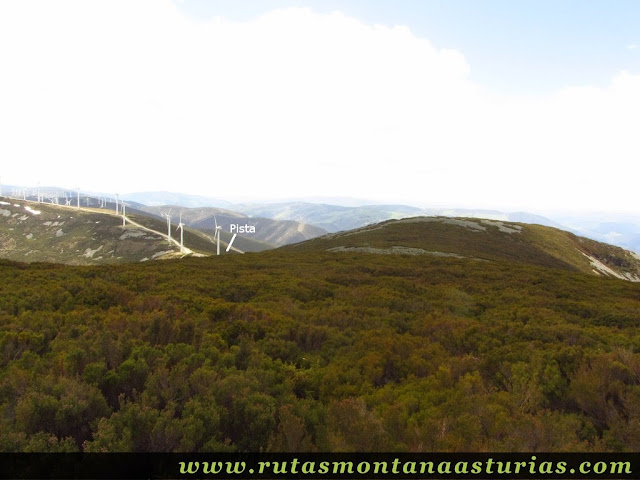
[
  {"x": 272, "y": 232},
  {"x": 334, "y": 218},
  {"x": 45, "y": 231},
  {"x": 620, "y": 230},
  {"x": 40, "y": 232},
  {"x": 328, "y": 213},
  {"x": 290, "y": 222},
  {"x": 154, "y": 199}
]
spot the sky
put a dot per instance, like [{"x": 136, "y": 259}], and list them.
[{"x": 528, "y": 105}]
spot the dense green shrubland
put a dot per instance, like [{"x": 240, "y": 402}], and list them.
[{"x": 316, "y": 351}]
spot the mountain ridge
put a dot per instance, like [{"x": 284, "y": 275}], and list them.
[
  {"x": 39, "y": 232},
  {"x": 337, "y": 213},
  {"x": 100, "y": 237},
  {"x": 483, "y": 239}
]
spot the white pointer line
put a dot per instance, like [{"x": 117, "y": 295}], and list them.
[{"x": 231, "y": 242}]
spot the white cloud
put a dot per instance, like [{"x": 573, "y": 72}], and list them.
[
  {"x": 132, "y": 95},
  {"x": 632, "y": 46}
]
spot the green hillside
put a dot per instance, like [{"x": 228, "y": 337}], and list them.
[
  {"x": 38, "y": 232},
  {"x": 484, "y": 240},
  {"x": 306, "y": 349}
]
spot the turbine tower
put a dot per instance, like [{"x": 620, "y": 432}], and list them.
[
  {"x": 78, "y": 195},
  {"x": 181, "y": 227},
  {"x": 116, "y": 204},
  {"x": 217, "y": 234},
  {"x": 168, "y": 215},
  {"x": 124, "y": 212}
]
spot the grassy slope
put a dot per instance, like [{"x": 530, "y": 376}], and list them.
[
  {"x": 67, "y": 235},
  {"x": 483, "y": 239},
  {"x": 34, "y": 238}
]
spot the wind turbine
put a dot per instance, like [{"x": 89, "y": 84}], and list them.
[
  {"x": 168, "y": 215},
  {"x": 217, "y": 234},
  {"x": 78, "y": 194},
  {"x": 181, "y": 227},
  {"x": 124, "y": 212},
  {"x": 116, "y": 204}
]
